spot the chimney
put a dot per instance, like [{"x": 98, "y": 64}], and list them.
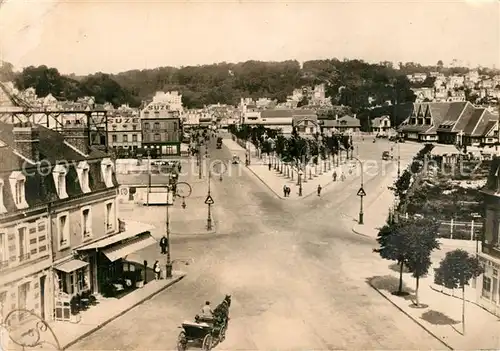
[
  {"x": 76, "y": 133},
  {"x": 26, "y": 140}
]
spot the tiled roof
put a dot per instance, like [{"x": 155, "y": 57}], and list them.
[
  {"x": 464, "y": 116},
  {"x": 473, "y": 121},
  {"x": 487, "y": 121},
  {"x": 277, "y": 113},
  {"x": 344, "y": 122}
]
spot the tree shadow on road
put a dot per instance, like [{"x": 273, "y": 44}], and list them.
[
  {"x": 390, "y": 284},
  {"x": 395, "y": 267},
  {"x": 438, "y": 318}
]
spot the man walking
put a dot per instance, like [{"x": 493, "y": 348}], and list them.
[
  {"x": 284, "y": 190},
  {"x": 319, "y": 190},
  {"x": 163, "y": 245}
]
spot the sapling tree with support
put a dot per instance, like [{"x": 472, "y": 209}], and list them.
[{"x": 456, "y": 271}]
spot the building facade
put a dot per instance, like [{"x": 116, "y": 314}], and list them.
[
  {"x": 161, "y": 130},
  {"x": 487, "y": 284},
  {"x": 60, "y": 237},
  {"x": 124, "y": 131}
]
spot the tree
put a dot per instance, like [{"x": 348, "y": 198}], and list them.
[
  {"x": 455, "y": 271},
  {"x": 303, "y": 102},
  {"x": 439, "y": 65},
  {"x": 392, "y": 247},
  {"x": 421, "y": 234}
]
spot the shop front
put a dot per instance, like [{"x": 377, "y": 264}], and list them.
[{"x": 108, "y": 271}]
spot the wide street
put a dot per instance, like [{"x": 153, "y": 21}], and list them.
[{"x": 296, "y": 272}]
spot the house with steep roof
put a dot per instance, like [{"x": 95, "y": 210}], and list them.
[
  {"x": 59, "y": 230},
  {"x": 447, "y": 123},
  {"x": 305, "y": 122},
  {"x": 381, "y": 125}
]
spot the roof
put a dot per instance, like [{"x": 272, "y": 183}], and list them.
[
  {"x": 464, "y": 116},
  {"x": 377, "y": 121},
  {"x": 276, "y": 113},
  {"x": 485, "y": 124},
  {"x": 473, "y": 121},
  {"x": 343, "y": 122}
]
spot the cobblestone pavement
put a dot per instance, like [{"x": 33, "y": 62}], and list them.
[{"x": 296, "y": 272}]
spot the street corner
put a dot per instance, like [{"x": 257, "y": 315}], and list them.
[{"x": 387, "y": 287}]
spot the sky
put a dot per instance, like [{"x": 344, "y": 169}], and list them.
[{"x": 82, "y": 37}]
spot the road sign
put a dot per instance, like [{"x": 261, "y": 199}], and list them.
[
  {"x": 209, "y": 200},
  {"x": 361, "y": 192}
]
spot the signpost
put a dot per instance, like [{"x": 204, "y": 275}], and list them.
[
  {"x": 209, "y": 202},
  {"x": 361, "y": 193}
]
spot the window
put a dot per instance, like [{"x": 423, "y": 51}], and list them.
[
  {"x": 19, "y": 191},
  {"x": 86, "y": 223},
  {"x": 125, "y": 138},
  {"x": 156, "y": 125},
  {"x": 83, "y": 172},
  {"x": 134, "y": 127},
  {"x": 134, "y": 138},
  {"x": 494, "y": 286},
  {"x": 23, "y": 298},
  {"x": 114, "y": 138},
  {"x": 107, "y": 172},
  {"x": 134, "y": 120},
  {"x": 157, "y": 137},
  {"x": 80, "y": 279},
  {"x": 72, "y": 283},
  {"x": 175, "y": 126},
  {"x": 59, "y": 174},
  {"x": 146, "y": 125},
  {"x": 23, "y": 250},
  {"x": 486, "y": 293},
  {"x": 124, "y": 127},
  {"x": 4, "y": 253},
  {"x": 61, "y": 281},
  {"x": 63, "y": 230},
  {"x": 110, "y": 216},
  {"x": 170, "y": 150},
  {"x": 2, "y": 207}
]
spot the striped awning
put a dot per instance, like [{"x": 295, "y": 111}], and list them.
[
  {"x": 123, "y": 249},
  {"x": 71, "y": 265}
]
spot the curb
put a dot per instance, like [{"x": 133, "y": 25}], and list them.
[
  {"x": 361, "y": 234},
  {"x": 412, "y": 318},
  {"x": 267, "y": 185},
  {"x": 93, "y": 330}
]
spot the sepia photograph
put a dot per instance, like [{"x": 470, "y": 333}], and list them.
[{"x": 249, "y": 175}]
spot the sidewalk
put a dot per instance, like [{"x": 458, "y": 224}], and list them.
[
  {"x": 108, "y": 310},
  {"x": 275, "y": 178},
  {"x": 441, "y": 314}
]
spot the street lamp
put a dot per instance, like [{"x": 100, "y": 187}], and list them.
[
  {"x": 361, "y": 193},
  {"x": 209, "y": 201},
  {"x": 300, "y": 182},
  {"x": 170, "y": 202}
]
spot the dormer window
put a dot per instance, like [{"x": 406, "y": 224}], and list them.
[
  {"x": 59, "y": 174},
  {"x": 2, "y": 206},
  {"x": 17, "y": 185},
  {"x": 83, "y": 176},
  {"x": 107, "y": 172}
]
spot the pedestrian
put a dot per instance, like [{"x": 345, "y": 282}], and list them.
[
  {"x": 163, "y": 245},
  {"x": 284, "y": 190},
  {"x": 319, "y": 190},
  {"x": 342, "y": 176},
  {"x": 157, "y": 270},
  {"x": 334, "y": 176},
  {"x": 269, "y": 165},
  {"x": 288, "y": 191}
]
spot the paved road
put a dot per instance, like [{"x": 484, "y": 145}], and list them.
[{"x": 295, "y": 271}]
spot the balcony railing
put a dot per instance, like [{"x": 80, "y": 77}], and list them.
[{"x": 24, "y": 257}]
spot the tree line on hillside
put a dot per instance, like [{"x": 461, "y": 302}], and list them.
[
  {"x": 293, "y": 149},
  {"x": 352, "y": 83}
]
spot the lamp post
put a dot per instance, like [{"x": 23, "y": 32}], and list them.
[
  {"x": 300, "y": 182},
  {"x": 169, "y": 203},
  {"x": 399, "y": 160},
  {"x": 209, "y": 202},
  {"x": 361, "y": 193}
]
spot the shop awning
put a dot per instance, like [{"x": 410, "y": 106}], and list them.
[
  {"x": 71, "y": 266},
  {"x": 121, "y": 250},
  {"x": 132, "y": 229}
]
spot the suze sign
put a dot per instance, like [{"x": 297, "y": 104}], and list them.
[{"x": 158, "y": 107}]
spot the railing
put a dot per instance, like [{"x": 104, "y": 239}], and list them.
[{"x": 24, "y": 257}]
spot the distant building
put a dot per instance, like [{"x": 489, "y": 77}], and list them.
[
  {"x": 171, "y": 99},
  {"x": 345, "y": 124},
  {"x": 381, "y": 125},
  {"x": 124, "y": 130},
  {"x": 161, "y": 129}
]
